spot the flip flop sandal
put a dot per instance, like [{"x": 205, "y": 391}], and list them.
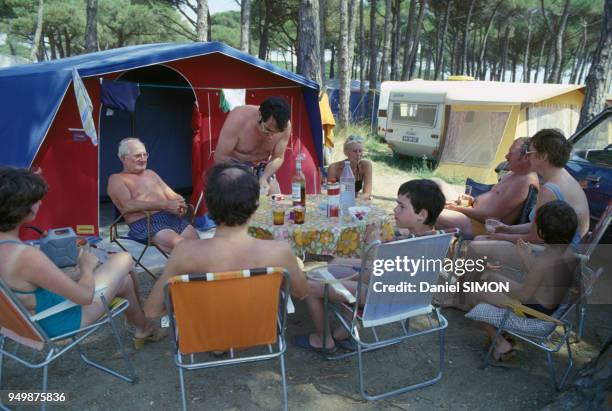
[{"x": 303, "y": 341}]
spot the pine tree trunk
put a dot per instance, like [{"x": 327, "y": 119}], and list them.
[
  {"x": 308, "y": 61},
  {"x": 526, "y": 66},
  {"x": 332, "y": 74},
  {"x": 580, "y": 54},
  {"x": 91, "y": 27},
  {"x": 37, "y": 32},
  {"x": 362, "y": 106},
  {"x": 322, "y": 17},
  {"x": 264, "y": 38},
  {"x": 463, "y": 60},
  {"x": 557, "y": 29},
  {"x": 504, "y": 58},
  {"x": 417, "y": 38},
  {"x": 483, "y": 50},
  {"x": 600, "y": 75},
  {"x": 439, "y": 69},
  {"x": 202, "y": 21},
  {"x": 408, "y": 40},
  {"x": 373, "y": 55},
  {"x": 395, "y": 47},
  {"x": 245, "y": 26},
  {"x": 580, "y": 77},
  {"x": 385, "y": 72},
  {"x": 343, "y": 66},
  {"x": 539, "y": 63}
]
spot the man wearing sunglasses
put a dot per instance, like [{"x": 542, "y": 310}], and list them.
[
  {"x": 257, "y": 137},
  {"x": 137, "y": 189}
]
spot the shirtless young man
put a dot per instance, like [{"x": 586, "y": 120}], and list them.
[
  {"x": 232, "y": 195},
  {"x": 136, "y": 190},
  {"x": 503, "y": 202},
  {"x": 257, "y": 137}
]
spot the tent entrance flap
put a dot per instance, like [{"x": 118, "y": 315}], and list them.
[{"x": 161, "y": 119}]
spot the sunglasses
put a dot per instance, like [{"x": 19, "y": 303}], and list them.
[{"x": 529, "y": 152}]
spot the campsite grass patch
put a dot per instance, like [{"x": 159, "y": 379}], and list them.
[{"x": 376, "y": 150}]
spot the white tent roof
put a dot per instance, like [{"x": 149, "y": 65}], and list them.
[{"x": 482, "y": 92}]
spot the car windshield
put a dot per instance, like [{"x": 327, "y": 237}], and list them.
[{"x": 596, "y": 144}]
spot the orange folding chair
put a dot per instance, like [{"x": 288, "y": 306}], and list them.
[
  {"x": 18, "y": 325},
  {"x": 225, "y": 312}
]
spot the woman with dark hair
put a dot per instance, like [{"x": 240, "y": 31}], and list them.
[
  {"x": 548, "y": 153},
  {"x": 548, "y": 278},
  {"x": 39, "y": 284}
]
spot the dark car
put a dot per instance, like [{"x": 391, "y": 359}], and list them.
[{"x": 591, "y": 163}]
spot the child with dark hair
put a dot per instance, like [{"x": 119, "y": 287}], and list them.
[
  {"x": 419, "y": 203},
  {"x": 548, "y": 278},
  {"x": 231, "y": 196},
  {"x": 39, "y": 284}
]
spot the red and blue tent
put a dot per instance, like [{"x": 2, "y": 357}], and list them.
[{"x": 177, "y": 114}]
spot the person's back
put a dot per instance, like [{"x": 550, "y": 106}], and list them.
[{"x": 232, "y": 193}]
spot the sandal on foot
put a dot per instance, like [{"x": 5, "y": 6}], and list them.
[
  {"x": 347, "y": 344},
  {"x": 505, "y": 360},
  {"x": 303, "y": 341},
  {"x": 156, "y": 335}
]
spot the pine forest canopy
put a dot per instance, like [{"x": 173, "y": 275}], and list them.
[{"x": 550, "y": 40}]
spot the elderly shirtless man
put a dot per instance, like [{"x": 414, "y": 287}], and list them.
[
  {"x": 136, "y": 190},
  {"x": 503, "y": 202},
  {"x": 257, "y": 137}
]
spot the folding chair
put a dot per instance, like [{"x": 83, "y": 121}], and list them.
[
  {"x": 477, "y": 188},
  {"x": 386, "y": 308},
  {"x": 116, "y": 238},
  {"x": 548, "y": 333},
  {"x": 228, "y": 311},
  {"x": 19, "y": 325},
  {"x": 587, "y": 247}
]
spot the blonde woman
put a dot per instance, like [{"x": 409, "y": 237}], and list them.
[{"x": 362, "y": 168}]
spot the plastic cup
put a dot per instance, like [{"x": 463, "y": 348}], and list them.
[{"x": 491, "y": 224}]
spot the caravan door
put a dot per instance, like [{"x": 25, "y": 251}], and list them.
[{"x": 414, "y": 123}]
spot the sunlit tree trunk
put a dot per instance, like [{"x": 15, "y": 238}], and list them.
[
  {"x": 245, "y": 26},
  {"x": 600, "y": 75},
  {"x": 38, "y": 32},
  {"x": 202, "y": 21},
  {"x": 385, "y": 72},
  {"x": 91, "y": 28},
  {"x": 308, "y": 62}
]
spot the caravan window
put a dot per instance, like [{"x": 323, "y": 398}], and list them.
[{"x": 414, "y": 114}]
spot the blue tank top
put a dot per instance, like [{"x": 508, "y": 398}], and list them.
[{"x": 559, "y": 195}]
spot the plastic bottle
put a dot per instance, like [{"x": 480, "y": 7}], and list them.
[
  {"x": 298, "y": 184},
  {"x": 347, "y": 188}
]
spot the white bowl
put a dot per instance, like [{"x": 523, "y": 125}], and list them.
[{"x": 359, "y": 213}]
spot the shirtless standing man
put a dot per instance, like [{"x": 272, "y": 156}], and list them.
[
  {"x": 232, "y": 195},
  {"x": 257, "y": 137},
  {"x": 136, "y": 190},
  {"x": 503, "y": 202}
]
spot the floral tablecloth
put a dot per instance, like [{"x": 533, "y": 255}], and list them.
[{"x": 339, "y": 236}]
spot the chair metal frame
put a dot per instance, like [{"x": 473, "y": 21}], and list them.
[
  {"x": 553, "y": 341},
  {"x": 49, "y": 348},
  {"x": 588, "y": 246},
  {"x": 273, "y": 352},
  {"x": 149, "y": 242},
  {"x": 356, "y": 324}
]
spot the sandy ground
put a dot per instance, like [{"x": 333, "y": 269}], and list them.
[{"x": 316, "y": 384}]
